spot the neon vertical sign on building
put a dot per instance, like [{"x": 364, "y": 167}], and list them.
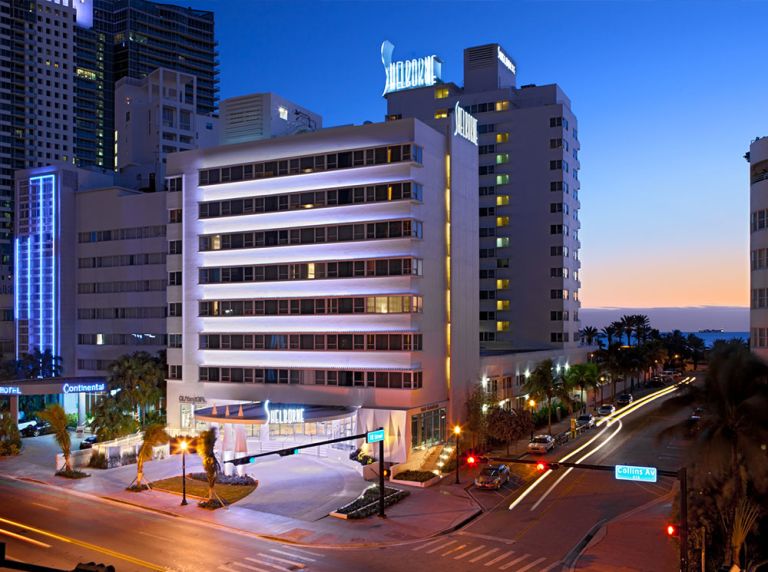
[
  {"x": 36, "y": 296},
  {"x": 409, "y": 74}
]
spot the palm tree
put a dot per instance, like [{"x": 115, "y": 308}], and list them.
[
  {"x": 543, "y": 385},
  {"x": 154, "y": 435},
  {"x": 205, "y": 448},
  {"x": 111, "y": 420},
  {"x": 696, "y": 346},
  {"x": 139, "y": 377},
  {"x": 37, "y": 364},
  {"x": 589, "y": 334},
  {"x": 583, "y": 376},
  {"x": 729, "y": 465},
  {"x": 609, "y": 331},
  {"x": 642, "y": 327},
  {"x": 627, "y": 326},
  {"x": 55, "y": 415}
]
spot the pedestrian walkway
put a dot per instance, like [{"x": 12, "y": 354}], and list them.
[
  {"x": 473, "y": 553},
  {"x": 284, "y": 559}
]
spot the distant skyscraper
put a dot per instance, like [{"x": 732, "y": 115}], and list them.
[
  {"x": 262, "y": 116},
  {"x": 529, "y": 194},
  {"x": 758, "y": 245},
  {"x": 149, "y": 35}
]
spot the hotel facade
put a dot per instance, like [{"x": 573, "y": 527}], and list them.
[
  {"x": 758, "y": 245},
  {"x": 329, "y": 277}
]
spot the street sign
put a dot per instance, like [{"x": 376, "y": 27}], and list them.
[
  {"x": 630, "y": 473},
  {"x": 375, "y": 436}
]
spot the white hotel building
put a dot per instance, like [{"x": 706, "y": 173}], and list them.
[{"x": 333, "y": 272}]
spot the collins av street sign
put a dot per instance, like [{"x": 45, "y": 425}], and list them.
[
  {"x": 630, "y": 473},
  {"x": 375, "y": 436}
]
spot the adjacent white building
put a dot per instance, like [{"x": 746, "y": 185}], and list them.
[
  {"x": 329, "y": 277},
  {"x": 758, "y": 245},
  {"x": 259, "y": 116},
  {"x": 528, "y": 197}
]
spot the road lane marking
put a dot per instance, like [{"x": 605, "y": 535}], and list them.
[
  {"x": 278, "y": 559},
  {"x": 515, "y": 561},
  {"x": 87, "y": 545},
  {"x": 452, "y": 550},
  {"x": 532, "y": 564},
  {"x": 552, "y": 566},
  {"x": 463, "y": 554},
  {"x": 24, "y": 538},
  {"x": 299, "y": 556},
  {"x": 484, "y": 554},
  {"x": 499, "y": 558},
  {"x": 441, "y": 547},
  {"x": 45, "y": 506},
  {"x": 430, "y": 543},
  {"x": 249, "y": 567}
]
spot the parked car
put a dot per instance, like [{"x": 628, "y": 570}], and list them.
[
  {"x": 23, "y": 425},
  {"x": 697, "y": 413},
  {"x": 624, "y": 399},
  {"x": 606, "y": 409},
  {"x": 38, "y": 428},
  {"x": 656, "y": 381},
  {"x": 492, "y": 477},
  {"x": 88, "y": 442},
  {"x": 586, "y": 420},
  {"x": 541, "y": 444}
]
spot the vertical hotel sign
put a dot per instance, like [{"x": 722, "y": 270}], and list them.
[
  {"x": 465, "y": 125},
  {"x": 409, "y": 74}
]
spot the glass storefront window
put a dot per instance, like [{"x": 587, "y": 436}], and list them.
[
  {"x": 187, "y": 416},
  {"x": 428, "y": 428}
]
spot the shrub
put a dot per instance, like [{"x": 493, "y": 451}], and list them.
[
  {"x": 236, "y": 480},
  {"x": 367, "y": 503},
  {"x": 212, "y": 504},
  {"x": 360, "y": 457},
  {"x": 72, "y": 420},
  {"x": 128, "y": 458},
  {"x": 73, "y": 474},
  {"x": 416, "y": 476},
  {"x": 98, "y": 461},
  {"x": 137, "y": 488}
]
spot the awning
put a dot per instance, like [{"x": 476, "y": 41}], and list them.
[{"x": 263, "y": 412}]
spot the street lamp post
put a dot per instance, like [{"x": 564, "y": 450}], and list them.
[
  {"x": 457, "y": 432},
  {"x": 532, "y": 403},
  {"x": 184, "y": 446}
]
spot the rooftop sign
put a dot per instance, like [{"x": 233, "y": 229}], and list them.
[
  {"x": 465, "y": 124},
  {"x": 504, "y": 58},
  {"x": 409, "y": 74}
]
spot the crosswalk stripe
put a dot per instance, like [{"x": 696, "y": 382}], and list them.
[
  {"x": 552, "y": 566},
  {"x": 276, "y": 566},
  {"x": 532, "y": 564},
  {"x": 430, "y": 543},
  {"x": 225, "y": 569},
  {"x": 249, "y": 567},
  {"x": 463, "y": 554},
  {"x": 278, "y": 559},
  {"x": 305, "y": 551},
  {"x": 299, "y": 556},
  {"x": 446, "y": 545},
  {"x": 499, "y": 558},
  {"x": 484, "y": 554},
  {"x": 515, "y": 561},
  {"x": 452, "y": 550}
]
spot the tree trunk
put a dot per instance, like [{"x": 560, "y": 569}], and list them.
[
  {"x": 549, "y": 414},
  {"x": 139, "y": 472},
  {"x": 67, "y": 463}
]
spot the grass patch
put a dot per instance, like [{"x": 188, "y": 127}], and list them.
[
  {"x": 197, "y": 489},
  {"x": 415, "y": 476}
]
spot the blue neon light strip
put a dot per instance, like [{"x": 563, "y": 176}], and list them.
[{"x": 16, "y": 282}]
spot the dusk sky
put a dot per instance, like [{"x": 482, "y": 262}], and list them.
[{"x": 668, "y": 96}]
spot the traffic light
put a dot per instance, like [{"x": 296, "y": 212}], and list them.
[
  {"x": 93, "y": 567},
  {"x": 387, "y": 473},
  {"x": 542, "y": 466},
  {"x": 672, "y": 530},
  {"x": 286, "y": 452},
  {"x": 471, "y": 461}
]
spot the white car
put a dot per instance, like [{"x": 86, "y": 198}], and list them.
[
  {"x": 587, "y": 420},
  {"x": 31, "y": 422},
  {"x": 606, "y": 409},
  {"x": 541, "y": 444}
]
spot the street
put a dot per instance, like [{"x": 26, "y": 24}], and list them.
[{"x": 547, "y": 520}]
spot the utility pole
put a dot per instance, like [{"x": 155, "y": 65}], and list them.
[
  {"x": 381, "y": 480},
  {"x": 683, "y": 478}
]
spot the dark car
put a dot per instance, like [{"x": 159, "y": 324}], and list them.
[
  {"x": 88, "y": 442},
  {"x": 39, "y": 427},
  {"x": 586, "y": 420},
  {"x": 624, "y": 399},
  {"x": 492, "y": 477}
]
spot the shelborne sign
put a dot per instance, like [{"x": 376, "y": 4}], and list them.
[{"x": 409, "y": 74}]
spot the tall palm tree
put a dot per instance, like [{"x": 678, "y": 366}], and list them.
[
  {"x": 154, "y": 435},
  {"x": 583, "y": 376},
  {"x": 609, "y": 332},
  {"x": 642, "y": 327},
  {"x": 589, "y": 334},
  {"x": 37, "y": 364},
  {"x": 55, "y": 415},
  {"x": 139, "y": 377},
  {"x": 728, "y": 459},
  {"x": 205, "y": 448},
  {"x": 544, "y": 385},
  {"x": 627, "y": 326}
]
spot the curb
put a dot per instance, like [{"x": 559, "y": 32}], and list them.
[
  {"x": 240, "y": 531},
  {"x": 599, "y": 529}
]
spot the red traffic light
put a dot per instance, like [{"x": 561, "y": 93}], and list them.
[
  {"x": 471, "y": 460},
  {"x": 541, "y": 466},
  {"x": 672, "y": 530}
]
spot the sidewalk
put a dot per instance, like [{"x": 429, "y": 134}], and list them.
[
  {"x": 633, "y": 542},
  {"x": 423, "y": 514}
]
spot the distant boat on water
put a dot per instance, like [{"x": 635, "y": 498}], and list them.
[{"x": 711, "y": 331}]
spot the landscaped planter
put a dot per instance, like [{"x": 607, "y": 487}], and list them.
[
  {"x": 415, "y": 482},
  {"x": 367, "y": 504}
]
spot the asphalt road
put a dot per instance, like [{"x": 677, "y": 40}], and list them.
[{"x": 56, "y": 528}]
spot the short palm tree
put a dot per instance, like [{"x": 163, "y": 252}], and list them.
[
  {"x": 55, "y": 415},
  {"x": 584, "y": 376},
  {"x": 205, "y": 448},
  {"x": 589, "y": 334},
  {"x": 154, "y": 435},
  {"x": 609, "y": 332},
  {"x": 543, "y": 385}
]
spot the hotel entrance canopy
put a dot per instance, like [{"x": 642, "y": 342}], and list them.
[{"x": 262, "y": 412}]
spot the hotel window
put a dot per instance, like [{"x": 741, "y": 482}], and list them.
[
  {"x": 487, "y": 211},
  {"x": 441, "y": 92},
  {"x": 502, "y": 137},
  {"x": 394, "y": 117},
  {"x": 441, "y": 114},
  {"x": 487, "y": 316},
  {"x": 487, "y": 190},
  {"x": 174, "y": 340},
  {"x": 502, "y": 105},
  {"x": 487, "y": 169},
  {"x": 558, "y": 316},
  {"x": 502, "y": 326},
  {"x": 555, "y": 143},
  {"x": 174, "y": 184},
  {"x": 486, "y": 128},
  {"x": 174, "y": 215},
  {"x": 174, "y": 247},
  {"x": 502, "y": 284},
  {"x": 487, "y": 336},
  {"x": 487, "y": 294},
  {"x": 485, "y": 149},
  {"x": 502, "y": 221},
  {"x": 502, "y": 179},
  {"x": 174, "y": 372},
  {"x": 558, "y": 251},
  {"x": 174, "y": 309},
  {"x": 502, "y": 305},
  {"x": 502, "y": 158},
  {"x": 502, "y": 242},
  {"x": 174, "y": 279},
  {"x": 558, "y": 272},
  {"x": 558, "y": 337}
]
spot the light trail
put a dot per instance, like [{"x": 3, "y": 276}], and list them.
[
  {"x": 84, "y": 544},
  {"x": 608, "y": 422}
]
